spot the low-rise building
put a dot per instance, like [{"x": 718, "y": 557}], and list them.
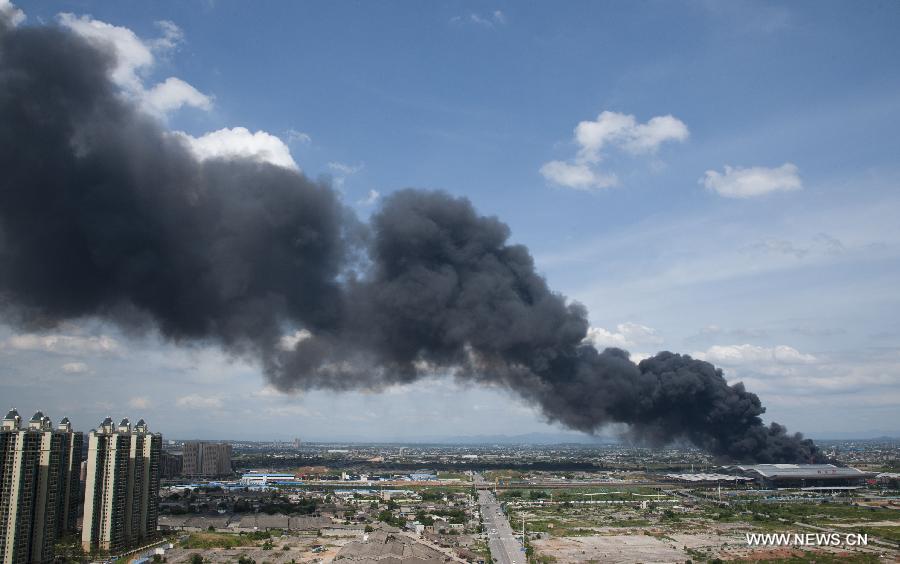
[{"x": 802, "y": 475}]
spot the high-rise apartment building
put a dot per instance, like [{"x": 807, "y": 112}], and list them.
[
  {"x": 70, "y": 478},
  {"x": 206, "y": 459},
  {"x": 121, "y": 500},
  {"x": 37, "y": 499},
  {"x": 170, "y": 464}
]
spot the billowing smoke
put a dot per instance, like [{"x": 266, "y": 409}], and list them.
[{"x": 105, "y": 214}]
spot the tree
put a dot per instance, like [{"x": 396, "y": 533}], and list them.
[{"x": 196, "y": 559}]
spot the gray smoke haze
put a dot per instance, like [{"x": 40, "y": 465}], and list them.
[{"x": 104, "y": 214}]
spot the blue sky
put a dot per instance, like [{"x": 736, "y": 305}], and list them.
[{"x": 731, "y": 192}]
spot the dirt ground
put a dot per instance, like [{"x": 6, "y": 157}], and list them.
[
  {"x": 670, "y": 548},
  {"x": 299, "y": 550},
  {"x": 620, "y": 549}
]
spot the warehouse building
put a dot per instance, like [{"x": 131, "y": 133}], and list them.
[{"x": 802, "y": 475}]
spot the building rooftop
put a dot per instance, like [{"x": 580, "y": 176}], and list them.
[
  {"x": 800, "y": 471},
  {"x": 704, "y": 477}
]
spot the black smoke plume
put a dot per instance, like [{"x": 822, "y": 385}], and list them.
[{"x": 104, "y": 214}]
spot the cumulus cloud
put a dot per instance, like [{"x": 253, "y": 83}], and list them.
[
  {"x": 737, "y": 182},
  {"x": 611, "y": 131},
  {"x": 579, "y": 176},
  {"x": 240, "y": 142},
  {"x": 196, "y": 401},
  {"x": 11, "y": 13},
  {"x": 623, "y": 131},
  {"x": 626, "y": 336},
  {"x": 135, "y": 56},
  {"x": 74, "y": 368},
  {"x": 62, "y": 344},
  {"x": 742, "y": 355},
  {"x": 174, "y": 93}
]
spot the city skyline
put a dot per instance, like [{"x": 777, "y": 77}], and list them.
[{"x": 727, "y": 203}]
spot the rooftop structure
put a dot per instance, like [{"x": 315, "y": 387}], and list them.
[
  {"x": 704, "y": 477},
  {"x": 263, "y": 478},
  {"x": 801, "y": 474}
]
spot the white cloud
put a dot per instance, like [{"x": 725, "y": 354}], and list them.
[
  {"x": 9, "y": 11},
  {"x": 370, "y": 198},
  {"x": 139, "y": 402},
  {"x": 197, "y": 401},
  {"x": 743, "y": 355},
  {"x": 269, "y": 391},
  {"x": 62, "y": 344},
  {"x": 611, "y": 130},
  {"x": 171, "y": 37},
  {"x": 289, "y": 342},
  {"x": 135, "y": 56},
  {"x": 174, "y": 93},
  {"x": 131, "y": 53},
  {"x": 74, "y": 368},
  {"x": 487, "y": 21},
  {"x": 626, "y": 336},
  {"x": 623, "y": 131},
  {"x": 345, "y": 169},
  {"x": 754, "y": 181},
  {"x": 579, "y": 176},
  {"x": 240, "y": 142},
  {"x": 295, "y": 136}
]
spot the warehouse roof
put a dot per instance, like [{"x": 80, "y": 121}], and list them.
[
  {"x": 703, "y": 477},
  {"x": 772, "y": 471}
]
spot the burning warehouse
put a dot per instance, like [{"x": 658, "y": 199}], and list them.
[{"x": 801, "y": 475}]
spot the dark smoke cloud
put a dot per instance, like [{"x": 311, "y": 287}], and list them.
[{"x": 102, "y": 213}]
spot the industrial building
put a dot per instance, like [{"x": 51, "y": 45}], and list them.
[
  {"x": 707, "y": 479},
  {"x": 802, "y": 475},
  {"x": 266, "y": 478},
  {"x": 38, "y": 486},
  {"x": 121, "y": 506}
]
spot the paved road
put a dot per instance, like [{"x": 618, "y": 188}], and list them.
[{"x": 505, "y": 548}]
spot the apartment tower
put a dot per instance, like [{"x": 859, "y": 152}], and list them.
[
  {"x": 121, "y": 500},
  {"x": 37, "y": 499}
]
